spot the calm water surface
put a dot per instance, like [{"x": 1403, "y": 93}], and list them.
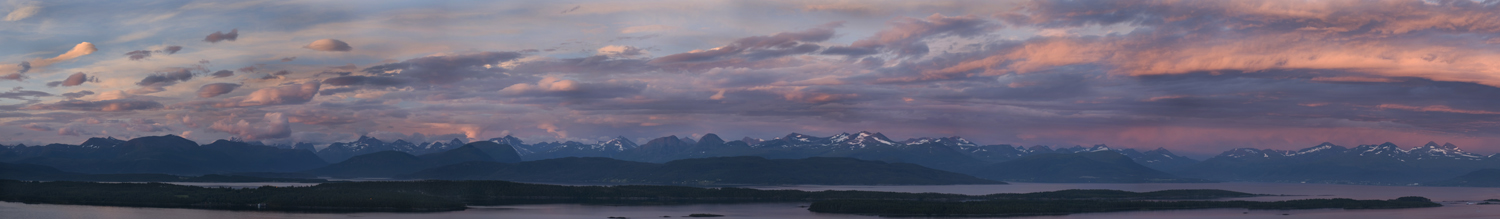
[{"x": 1455, "y": 199}]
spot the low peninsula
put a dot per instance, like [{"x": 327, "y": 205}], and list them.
[{"x": 439, "y": 195}]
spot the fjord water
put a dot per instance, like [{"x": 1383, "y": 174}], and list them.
[
  {"x": 1293, "y": 191},
  {"x": 1454, "y": 198}
]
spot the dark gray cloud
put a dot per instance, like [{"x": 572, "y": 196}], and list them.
[
  {"x": 19, "y": 94},
  {"x": 138, "y": 55},
  {"x": 25, "y": 67},
  {"x": 216, "y": 89},
  {"x": 166, "y": 79},
  {"x": 849, "y": 51},
  {"x": 75, "y": 79},
  {"x": 288, "y": 59},
  {"x": 221, "y": 36},
  {"x": 76, "y": 95},
  {"x": 171, "y": 49},
  {"x": 906, "y": 35},
  {"x": 103, "y": 105},
  {"x": 758, "y": 47},
  {"x": 364, "y": 81},
  {"x": 598, "y": 64},
  {"x": 222, "y": 74}
]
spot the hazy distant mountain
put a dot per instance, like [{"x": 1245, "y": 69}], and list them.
[
  {"x": 673, "y": 148},
  {"x": 548, "y": 150},
  {"x": 265, "y": 157},
  {"x": 498, "y": 152},
  {"x": 1159, "y": 159},
  {"x": 161, "y": 154},
  {"x": 1328, "y": 163},
  {"x": 44, "y": 173},
  {"x": 375, "y": 165},
  {"x": 339, "y": 151},
  {"x": 1477, "y": 178},
  {"x": 703, "y": 171},
  {"x": 945, "y": 153},
  {"x": 390, "y": 163},
  {"x": 1101, "y": 166}
]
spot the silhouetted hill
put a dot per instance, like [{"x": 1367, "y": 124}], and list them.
[
  {"x": 390, "y": 163},
  {"x": 1478, "y": 178},
  {"x": 503, "y": 153},
  {"x": 1090, "y": 167},
  {"x": 566, "y": 170},
  {"x": 378, "y": 164},
  {"x": 168, "y": 154},
  {"x": 720, "y": 170},
  {"x": 466, "y": 153},
  {"x": 29, "y": 172},
  {"x": 271, "y": 158},
  {"x": 45, "y": 173}
]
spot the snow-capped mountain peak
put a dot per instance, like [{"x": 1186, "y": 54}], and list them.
[
  {"x": 1385, "y": 149},
  {"x": 801, "y": 138},
  {"x": 1250, "y": 153},
  {"x": 954, "y": 142},
  {"x": 1038, "y": 149},
  {"x": 1429, "y": 151},
  {"x": 1447, "y": 150},
  {"x": 101, "y": 142},
  {"x": 861, "y": 140},
  {"x": 1325, "y": 147},
  {"x": 620, "y": 143}
]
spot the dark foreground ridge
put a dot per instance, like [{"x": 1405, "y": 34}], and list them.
[
  {"x": 429, "y": 196},
  {"x": 1036, "y": 207},
  {"x": 746, "y": 170},
  {"x": 45, "y": 173}
]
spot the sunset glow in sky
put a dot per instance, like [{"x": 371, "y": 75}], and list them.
[{"x": 1197, "y": 77}]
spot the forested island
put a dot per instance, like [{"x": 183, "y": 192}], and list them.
[
  {"x": 1038, "y": 207},
  {"x": 45, "y": 173},
  {"x": 430, "y": 196}
]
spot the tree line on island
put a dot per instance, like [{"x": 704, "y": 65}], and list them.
[
  {"x": 1012, "y": 208},
  {"x": 428, "y": 196}
]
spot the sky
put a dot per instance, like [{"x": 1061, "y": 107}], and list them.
[{"x": 1196, "y": 77}]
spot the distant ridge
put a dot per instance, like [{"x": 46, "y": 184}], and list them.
[
  {"x": 1382, "y": 164},
  {"x": 386, "y": 164},
  {"x": 703, "y": 171}
]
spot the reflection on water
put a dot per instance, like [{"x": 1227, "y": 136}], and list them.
[
  {"x": 1301, "y": 191},
  {"x": 558, "y": 211},
  {"x": 1452, "y": 196},
  {"x": 242, "y": 184}
]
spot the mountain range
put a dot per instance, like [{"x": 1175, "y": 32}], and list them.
[
  {"x": 1324, "y": 163},
  {"x": 703, "y": 171},
  {"x": 385, "y": 164},
  {"x": 162, "y": 154},
  {"x": 1384, "y": 163}
]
